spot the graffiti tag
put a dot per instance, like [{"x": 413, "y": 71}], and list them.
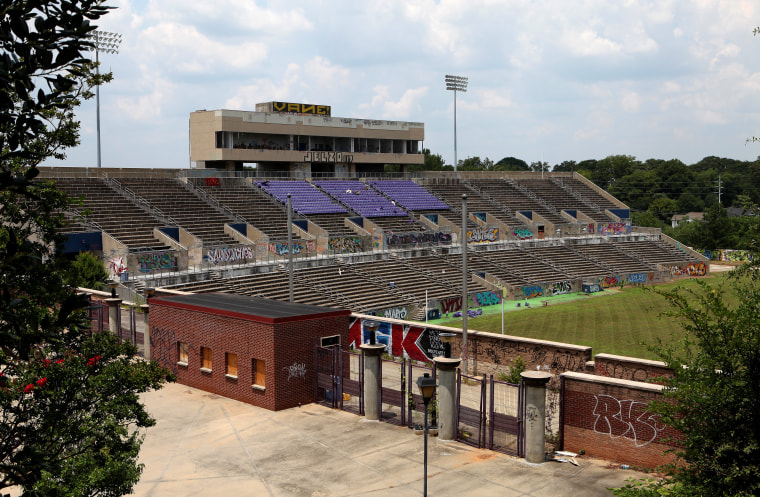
[
  {"x": 625, "y": 418},
  {"x": 481, "y": 235},
  {"x": 296, "y": 370},
  {"x": 216, "y": 256}
]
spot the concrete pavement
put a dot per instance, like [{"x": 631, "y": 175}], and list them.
[{"x": 207, "y": 445}]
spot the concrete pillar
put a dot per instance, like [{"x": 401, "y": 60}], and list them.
[
  {"x": 146, "y": 333},
  {"x": 372, "y": 372},
  {"x": 113, "y": 315},
  {"x": 447, "y": 397},
  {"x": 535, "y": 415}
]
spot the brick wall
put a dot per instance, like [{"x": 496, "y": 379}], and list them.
[
  {"x": 287, "y": 349},
  {"x": 608, "y": 418}
]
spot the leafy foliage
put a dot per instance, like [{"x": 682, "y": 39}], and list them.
[
  {"x": 87, "y": 271},
  {"x": 68, "y": 400}
]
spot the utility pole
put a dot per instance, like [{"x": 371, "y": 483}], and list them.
[{"x": 720, "y": 189}]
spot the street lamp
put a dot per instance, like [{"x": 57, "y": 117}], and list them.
[
  {"x": 455, "y": 84},
  {"x": 372, "y": 327},
  {"x": 102, "y": 41},
  {"x": 427, "y": 385}
]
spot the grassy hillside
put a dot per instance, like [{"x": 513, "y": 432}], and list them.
[{"x": 618, "y": 323}]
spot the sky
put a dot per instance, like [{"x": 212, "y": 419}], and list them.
[{"x": 552, "y": 79}]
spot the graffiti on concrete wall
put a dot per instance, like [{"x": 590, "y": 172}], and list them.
[
  {"x": 345, "y": 244},
  {"x": 608, "y": 281},
  {"x": 156, "y": 261},
  {"x": 394, "y": 313},
  {"x": 626, "y": 418},
  {"x": 621, "y": 371},
  {"x": 734, "y": 255},
  {"x": 452, "y": 304},
  {"x": 116, "y": 266},
  {"x": 637, "y": 278},
  {"x": 690, "y": 269},
  {"x": 438, "y": 237},
  {"x": 614, "y": 228},
  {"x": 561, "y": 287},
  {"x": 482, "y": 235},
  {"x": 532, "y": 292},
  {"x": 231, "y": 254},
  {"x": 487, "y": 298},
  {"x": 282, "y": 248},
  {"x": 522, "y": 233}
]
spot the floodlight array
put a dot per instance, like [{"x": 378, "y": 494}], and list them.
[
  {"x": 456, "y": 83},
  {"x": 104, "y": 41}
]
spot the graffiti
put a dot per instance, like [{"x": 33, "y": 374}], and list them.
[
  {"x": 215, "y": 256},
  {"x": 482, "y": 235},
  {"x": 439, "y": 237},
  {"x": 613, "y": 228},
  {"x": 116, "y": 266},
  {"x": 503, "y": 351},
  {"x": 532, "y": 414},
  {"x": 522, "y": 233},
  {"x": 592, "y": 288},
  {"x": 488, "y": 298},
  {"x": 734, "y": 255},
  {"x": 691, "y": 269},
  {"x": 635, "y": 278},
  {"x": 161, "y": 260},
  {"x": 609, "y": 281},
  {"x": 394, "y": 313},
  {"x": 451, "y": 304},
  {"x": 296, "y": 370},
  {"x": 625, "y": 418},
  {"x": 345, "y": 245},
  {"x": 532, "y": 292},
  {"x": 617, "y": 370},
  {"x": 282, "y": 248},
  {"x": 561, "y": 287}
]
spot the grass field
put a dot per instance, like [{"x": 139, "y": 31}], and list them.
[{"x": 618, "y": 321}]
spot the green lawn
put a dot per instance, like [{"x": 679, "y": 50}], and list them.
[{"x": 618, "y": 321}]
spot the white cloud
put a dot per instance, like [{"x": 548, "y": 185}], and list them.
[
  {"x": 402, "y": 109},
  {"x": 630, "y": 101},
  {"x": 147, "y": 106}
]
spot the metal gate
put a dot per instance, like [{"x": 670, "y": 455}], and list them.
[
  {"x": 415, "y": 404},
  {"x": 340, "y": 378},
  {"x": 471, "y": 410},
  {"x": 393, "y": 397},
  {"x": 505, "y": 418}
]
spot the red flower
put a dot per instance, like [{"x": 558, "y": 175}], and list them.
[
  {"x": 59, "y": 361},
  {"x": 28, "y": 388},
  {"x": 42, "y": 382},
  {"x": 93, "y": 360},
  {"x": 45, "y": 363}
]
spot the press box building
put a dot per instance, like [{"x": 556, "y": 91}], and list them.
[{"x": 301, "y": 140}]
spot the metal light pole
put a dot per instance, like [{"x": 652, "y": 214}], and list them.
[
  {"x": 427, "y": 386},
  {"x": 290, "y": 248},
  {"x": 103, "y": 41},
  {"x": 464, "y": 284},
  {"x": 455, "y": 84}
]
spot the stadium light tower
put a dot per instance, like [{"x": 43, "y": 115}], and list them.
[
  {"x": 455, "y": 84},
  {"x": 107, "y": 42}
]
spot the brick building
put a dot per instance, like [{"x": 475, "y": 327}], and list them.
[{"x": 254, "y": 350}]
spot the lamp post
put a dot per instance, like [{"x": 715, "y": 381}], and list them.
[
  {"x": 372, "y": 327},
  {"x": 464, "y": 284},
  {"x": 113, "y": 285},
  {"x": 103, "y": 41},
  {"x": 427, "y": 385},
  {"x": 447, "y": 338},
  {"x": 149, "y": 292},
  {"x": 455, "y": 84},
  {"x": 290, "y": 248}
]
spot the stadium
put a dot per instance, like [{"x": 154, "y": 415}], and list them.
[{"x": 377, "y": 243}]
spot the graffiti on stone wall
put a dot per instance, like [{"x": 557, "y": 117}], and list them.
[
  {"x": 532, "y": 292},
  {"x": 346, "y": 245},
  {"x": 488, "y": 298},
  {"x": 561, "y": 287},
  {"x": 626, "y": 418},
  {"x": 522, "y": 233},
  {"x": 231, "y": 254},
  {"x": 690, "y": 269},
  {"x": 451, "y": 305},
  {"x": 621, "y": 371},
  {"x": 439, "y": 237},
  {"x": 734, "y": 255},
  {"x": 156, "y": 261},
  {"x": 296, "y": 370},
  {"x": 614, "y": 228},
  {"x": 482, "y": 235},
  {"x": 116, "y": 266},
  {"x": 546, "y": 358},
  {"x": 282, "y": 248},
  {"x": 637, "y": 278}
]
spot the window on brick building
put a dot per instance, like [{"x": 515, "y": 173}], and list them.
[
  {"x": 182, "y": 353},
  {"x": 259, "y": 373},
  {"x": 232, "y": 366},
  {"x": 206, "y": 362}
]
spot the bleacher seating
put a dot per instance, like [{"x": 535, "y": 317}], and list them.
[
  {"x": 609, "y": 255},
  {"x": 655, "y": 252},
  {"x": 409, "y": 195},
  {"x": 560, "y": 198},
  {"x": 360, "y": 198},
  {"x": 304, "y": 198}
]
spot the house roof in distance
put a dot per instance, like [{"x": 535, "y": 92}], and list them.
[{"x": 249, "y": 308}]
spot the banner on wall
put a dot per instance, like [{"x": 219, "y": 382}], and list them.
[{"x": 415, "y": 342}]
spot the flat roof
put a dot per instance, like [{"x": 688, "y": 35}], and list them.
[{"x": 249, "y": 308}]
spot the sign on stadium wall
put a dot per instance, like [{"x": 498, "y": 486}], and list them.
[
  {"x": 335, "y": 157},
  {"x": 316, "y": 110}
]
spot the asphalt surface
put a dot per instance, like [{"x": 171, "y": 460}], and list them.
[{"x": 207, "y": 445}]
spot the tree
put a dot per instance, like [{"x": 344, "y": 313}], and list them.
[
  {"x": 87, "y": 271},
  {"x": 511, "y": 164},
  {"x": 68, "y": 399}
]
